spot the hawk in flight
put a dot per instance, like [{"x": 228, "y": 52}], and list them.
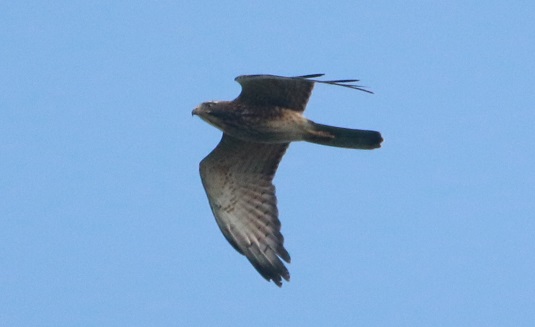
[{"x": 237, "y": 175}]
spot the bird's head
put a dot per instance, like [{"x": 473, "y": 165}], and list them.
[
  {"x": 212, "y": 112},
  {"x": 204, "y": 108}
]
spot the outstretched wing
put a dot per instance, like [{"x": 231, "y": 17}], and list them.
[
  {"x": 237, "y": 177},
  {"x": 288, "y": 92}
]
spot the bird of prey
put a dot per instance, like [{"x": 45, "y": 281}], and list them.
[{"x": 237, "y": 175}]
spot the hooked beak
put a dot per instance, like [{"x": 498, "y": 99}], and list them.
[{"x": 195, "y": 111}]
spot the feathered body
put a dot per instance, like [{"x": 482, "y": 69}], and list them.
[{"x": 237, "y": 175}]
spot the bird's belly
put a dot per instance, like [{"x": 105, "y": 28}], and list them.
[{"x": 284, "y": 129}]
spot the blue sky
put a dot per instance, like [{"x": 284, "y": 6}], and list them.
[{"x": 103, "y": 219}]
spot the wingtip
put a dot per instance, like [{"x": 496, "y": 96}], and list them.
[
  {"x": 278, "y": 280},
  {"x": 339, "y": 82},
  {"x": 310, "y": 76}
]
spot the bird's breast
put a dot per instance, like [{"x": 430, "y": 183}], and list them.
[{"x": 274, "y": 125}]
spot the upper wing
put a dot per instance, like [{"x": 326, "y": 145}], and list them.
[
  {"x": 287, "y": 92},
  {"x": 237, "y": 177}
]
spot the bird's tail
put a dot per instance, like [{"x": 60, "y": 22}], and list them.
[{"x": 343, "y": 137}]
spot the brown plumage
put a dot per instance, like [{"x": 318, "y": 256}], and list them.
[{"x": 237, "y": 175}]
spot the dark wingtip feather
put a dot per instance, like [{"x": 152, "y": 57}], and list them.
[
  {"x": 339, "y": 82},
  {"x": 278, "y": 280},
  {"x": 309, "y": 76}
]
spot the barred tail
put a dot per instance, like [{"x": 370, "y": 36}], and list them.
[{"x": 344, "y": 137}]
